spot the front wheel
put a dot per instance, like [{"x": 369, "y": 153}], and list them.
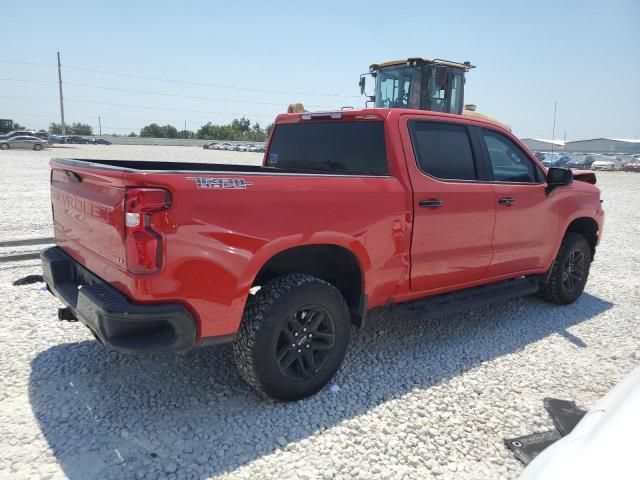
[
  {"x": 293, "y": 337},
  {"x": 37, "y": 147},
  {"x": 4, "y": 146},
  {"x": 569, "y": 272}
]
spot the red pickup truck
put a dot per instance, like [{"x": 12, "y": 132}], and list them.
[{"x": 350, "y": 210}]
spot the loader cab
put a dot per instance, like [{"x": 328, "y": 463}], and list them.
[
  {"x": 436, "y": 85},
  {"x": 5, "y": 125}
]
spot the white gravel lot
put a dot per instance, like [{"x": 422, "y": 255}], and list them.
[{"x": 416, "y": 398}]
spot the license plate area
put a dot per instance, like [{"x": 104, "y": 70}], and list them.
[{"x": 82, "y": 278}]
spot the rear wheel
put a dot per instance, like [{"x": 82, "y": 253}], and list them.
[
  {"x": 570, "y": 271},
  {"x": 4, "y": 146},
  {"x": 37, "y": 147},
  {"x": 293, "y": 337}
]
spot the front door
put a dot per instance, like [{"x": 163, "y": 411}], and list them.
[
  {"x": 524, "y": 217},
  {"x": 454, "y": 213}
]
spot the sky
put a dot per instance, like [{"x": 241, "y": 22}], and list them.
[{"x": 252, "y": 59}]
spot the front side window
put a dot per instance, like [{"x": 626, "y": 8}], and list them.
[
  {"x": 340, "y": 147},
  {"x": 437, "y": 88},
  {"x": 455, "y": 102},
  {"x": 508, "y": 162},
  {"x": 443, "y": 150},
  {"x": 399, "y": 87}
]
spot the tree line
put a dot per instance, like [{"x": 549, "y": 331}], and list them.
[
  {"x": 71, "y": 129},
  {"x": 238, "y": 129}
]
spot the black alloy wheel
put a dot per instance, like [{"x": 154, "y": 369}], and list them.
[{"x": 305, "y": 342}]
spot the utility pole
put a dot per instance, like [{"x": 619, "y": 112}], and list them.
[
  {"x": 100, "y": 125},
  {"x": 553, "y": 134},
  {"x": 64, "y": 131}
]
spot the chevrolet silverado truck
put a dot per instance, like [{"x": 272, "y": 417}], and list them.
[{"x": 350, "y": 210}]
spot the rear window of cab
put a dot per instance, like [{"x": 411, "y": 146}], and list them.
[{"x": 337, "y": 147}]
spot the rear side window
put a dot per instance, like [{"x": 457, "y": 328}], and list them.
[
  {"x": 339, "y": 147},
  {"x": 443, "y": 150}
]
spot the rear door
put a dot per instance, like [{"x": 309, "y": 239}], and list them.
[
  {"x": 454, "y": 211},
  {"x": 20, "y": 142},
  {"x": 524, "y": 216}
]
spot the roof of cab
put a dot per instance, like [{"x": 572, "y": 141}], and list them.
[
  {"x": 449, "y": 63},
  {"x": 382, "y": 114}
]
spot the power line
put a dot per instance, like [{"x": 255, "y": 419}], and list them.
[
  {"x": 149, "y": 107},
  {"x": 145, "y": 107},
  {"x": 183, "y": 82},
  {"x": 192, "y": 97},
  {"x": 25, "y": 80},
  {"x": 88, "y": 119},
  {"x": 30, "y": 63},
  {"x": 164, "y": 94},
  {"x": 201, "y": 84}
]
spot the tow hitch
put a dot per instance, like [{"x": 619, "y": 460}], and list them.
[{"x": 66, "y": 314}]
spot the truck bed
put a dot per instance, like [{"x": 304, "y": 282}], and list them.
[{"x": 136, "y": 166}]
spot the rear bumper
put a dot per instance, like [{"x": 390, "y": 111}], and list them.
[{"x": 115, "y": 321}]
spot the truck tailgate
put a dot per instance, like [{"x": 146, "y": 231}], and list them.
[{"x": 88, "y": 211}]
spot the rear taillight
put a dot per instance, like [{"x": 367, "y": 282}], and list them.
[{"x": 144, "y": 245}]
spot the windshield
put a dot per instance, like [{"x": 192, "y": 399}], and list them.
[{"x": 399, "y": 86}]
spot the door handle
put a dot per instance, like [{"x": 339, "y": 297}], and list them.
[
  {"x": 431, "y": 203},
  {"x": 508, "y": 201}
]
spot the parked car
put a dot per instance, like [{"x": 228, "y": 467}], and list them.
[
  {"x": 42, "y": 134},
  {"x": 77, "y": 139},
  {"x": 539, "y": 155},
  {"x": 607, "y": 163},
  {"x": 210, "y": 146},
  {"x": 556, "y": 160},
  {"x": 18, "y": 133},
  {"x": 245, "y": 147},
  {"x": 274, "y": 270},
  {"x": 28, "y": 142},
  {"x": 582, "y": 162},
  {"x": 100, "y": 141},
  {"x": 222, "y": 146},
  {"x": 632, "y": 166}
]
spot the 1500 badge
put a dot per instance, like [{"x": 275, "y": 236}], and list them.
[{"x": 226, "y": 183}]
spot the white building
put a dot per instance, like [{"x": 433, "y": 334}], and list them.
[
  {"x": 604, "y": 145},
  {"x": 543, "y": 144}
]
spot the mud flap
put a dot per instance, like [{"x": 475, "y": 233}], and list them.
[
  {"x": 529, "y": 447},
  {"x": 565, "y": 415}
]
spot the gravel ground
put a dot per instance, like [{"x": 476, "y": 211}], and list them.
[{"x": 414, "y": 399}]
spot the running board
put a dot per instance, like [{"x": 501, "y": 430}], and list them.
[{"x": 474, "y": 297}]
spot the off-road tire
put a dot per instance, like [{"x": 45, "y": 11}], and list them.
[
  {"x": 37, "y": 147},
  {"x": 555, "y": 290},
  {"x": 266, "y": 315},
  {"x": 4, "y": 146}
]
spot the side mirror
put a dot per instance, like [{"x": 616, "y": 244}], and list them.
[
  {"x": 362, "y": 83},
  {"x": 558, "y": 177}
]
